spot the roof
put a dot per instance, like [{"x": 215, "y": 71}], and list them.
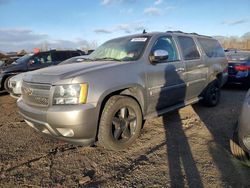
[{"x": 170, "y": 32}]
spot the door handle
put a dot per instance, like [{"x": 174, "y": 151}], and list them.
[{"x": 179, "y": 69}]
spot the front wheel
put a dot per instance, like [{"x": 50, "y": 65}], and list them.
[
  {"x": 120, "y": 123},
  {"x": 211, "y": 96}
]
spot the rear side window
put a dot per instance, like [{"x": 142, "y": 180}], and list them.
[
  {"x": 60, "y": 56},
  {"x": 41, "y": 58},
  {"x": 188, "y": 48},
  {"x": 212, "y": 48}
]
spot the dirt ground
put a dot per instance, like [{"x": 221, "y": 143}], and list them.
[{"x": 185, "y": 148}]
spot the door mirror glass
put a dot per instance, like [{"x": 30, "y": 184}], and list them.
[{"x": 159, "y": 55}]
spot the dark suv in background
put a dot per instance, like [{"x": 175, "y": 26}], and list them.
[{"x": 35, "y": 61}]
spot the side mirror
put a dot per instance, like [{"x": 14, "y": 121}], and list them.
[{"x": 158, "y": 56}]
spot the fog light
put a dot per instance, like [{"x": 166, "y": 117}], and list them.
[
  {"x": 30, "y": 124},
  {"x": 46, "y": 131},
  {"x": 66, "y": 132},
  {"x": 246, "y": 142}
]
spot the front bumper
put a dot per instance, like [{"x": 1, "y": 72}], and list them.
[
  {"x": 244, "y": 127},
  {"x": 76, "y": 124}
]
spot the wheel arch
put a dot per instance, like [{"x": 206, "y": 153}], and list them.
[{"x": 134, "y": 91}]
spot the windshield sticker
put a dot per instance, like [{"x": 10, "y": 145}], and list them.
[{"x": 141, "y": 39}]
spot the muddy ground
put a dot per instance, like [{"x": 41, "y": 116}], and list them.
[{"x": 185, "y": 148}]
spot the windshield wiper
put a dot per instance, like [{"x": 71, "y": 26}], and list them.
[{"x": 106, "y": 59}]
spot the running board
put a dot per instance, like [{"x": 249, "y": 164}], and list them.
[{"x": 172, "y": 108}]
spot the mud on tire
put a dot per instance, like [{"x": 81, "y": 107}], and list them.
[{"x": 120, "y": 123}]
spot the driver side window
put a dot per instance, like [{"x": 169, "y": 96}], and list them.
[{"x": 166, "y": 44}]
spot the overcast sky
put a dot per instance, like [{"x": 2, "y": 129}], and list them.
[{"x": 25, "y": 24}]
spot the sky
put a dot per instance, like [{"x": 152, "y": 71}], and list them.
[{"x": 26, "y": 24}]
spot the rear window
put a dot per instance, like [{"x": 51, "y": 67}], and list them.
[
  {"x": 212, "y": 48},
  {"x": 239, "y": 56},
  {"x": 188, "y": 48}
]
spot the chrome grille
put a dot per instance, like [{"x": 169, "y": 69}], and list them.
[{"x": 36, "y": 94}]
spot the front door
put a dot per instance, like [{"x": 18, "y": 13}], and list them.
[{"x": 165, "y": 80}]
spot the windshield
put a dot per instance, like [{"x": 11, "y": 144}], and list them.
[
  {"x": 121, "y": 49},
  {"x": 22, "y": 60},
  {"x": 239, "y": 56}
]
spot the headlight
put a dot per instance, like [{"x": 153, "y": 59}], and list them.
[{"x": 70, "y": 94}]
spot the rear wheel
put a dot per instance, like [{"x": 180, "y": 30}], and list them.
[
  {"x": 120, "y": 123},
  {"x": 211, "y": 96},
  {"x": 237, "y": 151}
]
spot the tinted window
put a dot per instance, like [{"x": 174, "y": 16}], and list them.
[
  {"x": 41, "y": 58},
  {"x": 167, "y": 44},
  {"x": 212, "y": 48},
  {"x": 60, "y": 56},
  {"x": 188, "y": 48}
]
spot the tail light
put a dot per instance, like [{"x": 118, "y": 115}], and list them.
[{"x": 241, "y": 67}]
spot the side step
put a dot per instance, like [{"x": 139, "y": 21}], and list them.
[{"x": 172, "y": 108}]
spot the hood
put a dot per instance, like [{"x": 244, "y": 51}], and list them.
[
  {"x": 11, "y": 68},
  {"x": 54, "y": 74}
]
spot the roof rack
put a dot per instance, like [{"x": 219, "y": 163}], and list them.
[{"x": 188, "y": 33}]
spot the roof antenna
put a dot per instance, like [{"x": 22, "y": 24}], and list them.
[{"x": 144, "y": 31}]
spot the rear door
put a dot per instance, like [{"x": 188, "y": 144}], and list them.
[
  {"x": 196, "y": 69},
  {"x": 165, "y": 79}
]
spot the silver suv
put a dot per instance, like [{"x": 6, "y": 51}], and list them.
[{"x": 123, "y": 82}]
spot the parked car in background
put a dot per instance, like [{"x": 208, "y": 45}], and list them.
[
  {"x": 240, "y": 145},
  {"x": 32, "y": 62},
  {"x": 125, "y": 81},
  {"x": 239, "y": 67},
  {"x": 15, "y": 82}
]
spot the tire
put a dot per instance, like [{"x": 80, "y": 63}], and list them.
[
  {"x": 6, "y": 86},
  {"x": 211, "y": 96},
  {"x": 237, "y": 151},
  {"x": 120, "y": 123}
]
